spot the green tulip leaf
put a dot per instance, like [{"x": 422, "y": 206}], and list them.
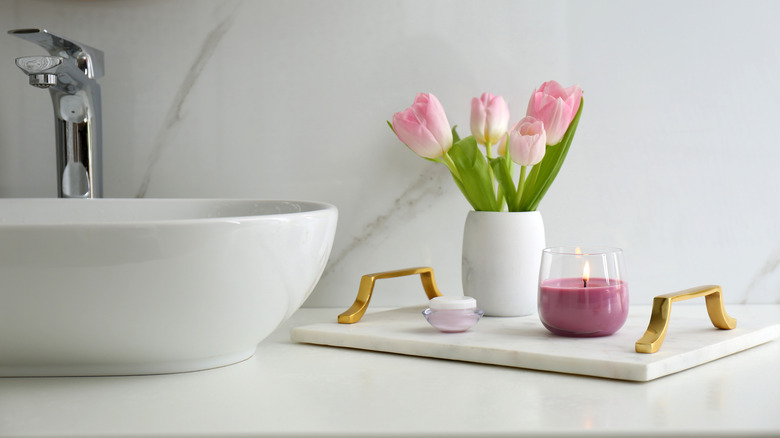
[
  {"x": 474, "y": 174},
  {"x": 543, "y": 174},
  {"x": 455, "y": 136},
  {"x": 504, "y": 179}
]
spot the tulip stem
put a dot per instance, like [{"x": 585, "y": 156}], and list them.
[
  {"x": 520, "y": 187},
  {"x": 490, "y": 156},
  {"x": 450, "y": 165}
]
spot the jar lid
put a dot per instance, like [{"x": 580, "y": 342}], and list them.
[{"x": 453, "y": 303}]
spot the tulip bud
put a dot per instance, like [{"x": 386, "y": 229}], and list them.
[
  {"x": 489, "y": 118},
  {"x": 527, "y": 140},
  {"x": 556, "y": 107},
  {"x": 423, "y": 127}
]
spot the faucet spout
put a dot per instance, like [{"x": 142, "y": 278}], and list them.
[
  {"x": 88, "y": 59},
  {"x": 70, "y": 74}
]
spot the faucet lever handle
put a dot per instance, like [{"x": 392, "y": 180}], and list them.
[
  {"x": 37, "y": 64},
  {"x": 38, "y": 68},
  {"x": 88, "y": 59}
]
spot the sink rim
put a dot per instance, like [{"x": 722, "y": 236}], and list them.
[{"x": 307, "y": 207}]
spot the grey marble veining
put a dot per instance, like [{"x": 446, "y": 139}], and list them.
[
  {"x": 174, "y": 116},
  {"x": 410, "y": 203},
  {"x": 765, "y": 282}
]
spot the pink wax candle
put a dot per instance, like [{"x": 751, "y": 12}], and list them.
[{"x": 576, "y": 307}]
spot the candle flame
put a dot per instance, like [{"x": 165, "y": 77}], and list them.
[
  {"x": 577, "y": 250},
  {"x": 586, "y": 273}
]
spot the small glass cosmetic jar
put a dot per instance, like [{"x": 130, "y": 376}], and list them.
[{"x": 453, "y": 314}]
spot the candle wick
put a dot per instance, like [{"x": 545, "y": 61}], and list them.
[{"x": 584, "y": 283}]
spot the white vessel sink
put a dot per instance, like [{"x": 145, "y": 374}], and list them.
[{"x": 147, "y": 286}]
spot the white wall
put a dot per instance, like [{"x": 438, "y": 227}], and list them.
[{"x": 675, "y": 159}]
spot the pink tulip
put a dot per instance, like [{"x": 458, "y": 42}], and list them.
[
  {"x": 423, "y": 127},
  {"x": 489, "y": 118},
  {"x": 556, "y": 107},
  {"x": 526, "y": 142}
]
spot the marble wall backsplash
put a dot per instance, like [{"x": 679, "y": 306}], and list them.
[{"x": 675, "y": 159}]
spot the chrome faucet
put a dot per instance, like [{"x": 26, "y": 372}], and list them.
[{"x": 70, "y": 74}]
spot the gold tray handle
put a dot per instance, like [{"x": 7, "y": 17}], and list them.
[
  {"x": 358, "y": 309},
  {"x": 651, "y": 341}
]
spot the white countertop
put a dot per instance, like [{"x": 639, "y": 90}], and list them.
[{"x": 296, "y": 389}]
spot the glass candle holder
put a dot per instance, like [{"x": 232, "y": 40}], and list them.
[{"x": 582, "y": 292}]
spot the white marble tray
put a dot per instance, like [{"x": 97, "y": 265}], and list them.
[{"x": 691, "y": 340}]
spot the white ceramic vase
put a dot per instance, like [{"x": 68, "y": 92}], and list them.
[{"x": 501, "y": 256}]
